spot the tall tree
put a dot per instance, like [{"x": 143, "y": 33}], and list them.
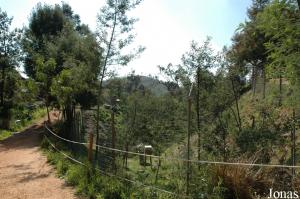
[
  {"x": 114, "y": 32},
  {"x": 9, "y": 51},
  {"x": 64, "y": 56},
  {"x": 248, "y": 46},
  {"x": 280, "y": 22},
  {"x": 198, "y": 60}
]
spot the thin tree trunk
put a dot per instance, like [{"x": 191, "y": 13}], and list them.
[
  {"x": 158, "y": 167},
  {"x": 237, "y": 105},
  {"x": 104, "y": 70},
  {"x": 253, "y": 122},
  {"x": 97, "y": 132},
  {"x": 113, "y": 144},
  {"x": 198, "y": 115},
  {"x": 264, "y": 83},
  {"x": 108, "y": 51},
  {"x": 235, "y": 117},
  {"x": 188, "y": 146},
  {"x": 48, "y": 114},
  {"x": 280, "y": 90},
  {"x": 293, "y": 140},
  {"x": 2, "y": 85},
  {"x": 223, "y": 137},
  {"x": 132, "y": 131},
  {"x": 253, "y": 81}
]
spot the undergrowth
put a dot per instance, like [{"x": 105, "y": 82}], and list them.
[
  {"x": 22, "y": 124},
  {"x": 90, "y": 183}
]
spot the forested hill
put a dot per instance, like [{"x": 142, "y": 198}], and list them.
[{"x": 149, "y": 83}]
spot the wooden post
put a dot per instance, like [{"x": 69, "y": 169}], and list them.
[
  {"x": 293, "y": 149},
  {"x": 113, "y": 144},
  {"x": 158, "y": 167},
  {"x": 188, "y": 146},
  {"x": 48, "y": 114},
  {"x": 198, "y": 115},
  {"x": 97, "y": 131},
  {"x": 90, "y": 153}
]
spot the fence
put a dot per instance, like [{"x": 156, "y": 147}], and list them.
[{"x": 116, "y": 169}]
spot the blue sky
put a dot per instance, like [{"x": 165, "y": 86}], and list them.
[{"x": 165, "y": 28}]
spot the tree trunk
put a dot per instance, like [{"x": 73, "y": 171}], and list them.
[
  {"x": 223, "y": 137},
  {"x": 264, "y": 82},
  {"x": 69, "y": 119},
  {"x": 198, "y": 115},
  {"x": 188, "y": 146},
  {"x": 280, "y": 90},
  {"x": 2, "y": 85},
  {"x": 253, "y": 81},
  {"x": 293, "y": 140},
  {"x": 237, "y": 106},
  {"x": 97, "y": 132},
  {"x": 113, "y": 144},
  {"x": 158, "y": 167},
  {"x": 104, "y": 70},
  {"x": 48, "y": 114}
]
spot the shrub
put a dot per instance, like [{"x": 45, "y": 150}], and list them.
[
  {"x": 113, "y": 190},
  {"x": 239, "y": 182},
  {"x": 74, "y": 173}
]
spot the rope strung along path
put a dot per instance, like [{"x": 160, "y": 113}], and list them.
[
  {"x": 109, "y": 174},
  {"x": 181, "y": 159}
]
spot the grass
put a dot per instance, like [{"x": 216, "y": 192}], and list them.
[
  {"x": 36, "y": 114},
  {"x": 90, "y": 183},
  {"x": 84, "y": 179},
  {"x": 5, "y": 134}
]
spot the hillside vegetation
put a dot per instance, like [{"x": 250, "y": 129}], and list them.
[{"x": 217, "y": 125}]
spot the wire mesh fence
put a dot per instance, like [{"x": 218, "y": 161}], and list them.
[{"x": 167, "y": 172}]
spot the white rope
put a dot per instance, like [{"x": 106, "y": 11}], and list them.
[
  {"x": 184, "y": 160},
  {"x": 74, "y": 142},
  {"x": 112, "y": 175}
]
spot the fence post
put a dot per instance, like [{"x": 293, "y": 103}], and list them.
[
  {"x": 293, "y": 151},
  {"x": 188, "y": 146},
  {"x": 90, "y": 152}
]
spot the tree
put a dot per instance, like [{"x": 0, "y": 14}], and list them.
[
  {"x": 280, "y": 22},
  {"x": 114, "y": 33},
  {"x": 44, "y": 74},
  {"x": 9, "y": 51},
  {"x": 198, "y": 60},
  {"x": 63, "y": 55},
  {"x": 248, "y": 46}
]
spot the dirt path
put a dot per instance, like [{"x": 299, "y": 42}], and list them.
[{"x": 24, "y": 172}]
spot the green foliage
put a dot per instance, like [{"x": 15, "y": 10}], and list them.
[
  {"x": 26, "y": 117},
  {"x": 112, "y": 21},
  {"x": 280, "y": 22},
  {"x": 5, "y": 134},
  {"x": 9, "y": 56},
  {"x": 250, "y": 140},
  {"x": 87, "y": 181},
  {"x": 65, "y": 59}
]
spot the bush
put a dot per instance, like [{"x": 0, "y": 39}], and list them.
[
  {"x": 5, "y": 134},
  {"x": 74, "y": 173},
  {"x": 249, "y": 138},
  {"x": 114, "y": 190},
  {"x": 238, "y": 182},
  {"x": 62, "y": 166}
]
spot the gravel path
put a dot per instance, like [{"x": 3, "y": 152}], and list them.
[{"x": 24, "y": 171}]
